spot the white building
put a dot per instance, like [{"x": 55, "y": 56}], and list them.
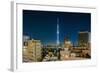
[{"x": 34, "y": 50}]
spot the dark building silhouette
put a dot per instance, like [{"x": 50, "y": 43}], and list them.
[{"x": 83, "y": 38}]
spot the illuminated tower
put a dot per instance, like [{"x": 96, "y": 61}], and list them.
[
  {"x": 58, "y": 50},
  {"x": 57, "y": 31}
]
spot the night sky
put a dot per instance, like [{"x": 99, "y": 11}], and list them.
[{"x": 42, "y": 25}]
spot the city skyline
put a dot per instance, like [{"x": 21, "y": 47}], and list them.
[{"x": 42, "y": 25}]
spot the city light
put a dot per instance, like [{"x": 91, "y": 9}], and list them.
[{"x": 46, "y": 37}]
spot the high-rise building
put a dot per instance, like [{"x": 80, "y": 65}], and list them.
[
  {"x": 83, "y": 38},
  {"x": 67, "y": 43},
  {"x": 25, "y": 40},
  {"x": 65, "y": 53},
  {"x": 24, "y": 49},
  {"x": 34, "y": 50}
]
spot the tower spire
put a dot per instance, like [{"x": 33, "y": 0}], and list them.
[{"x": 57, "y": 31}]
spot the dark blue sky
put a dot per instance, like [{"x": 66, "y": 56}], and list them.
[{"x": 42, "y": 25}]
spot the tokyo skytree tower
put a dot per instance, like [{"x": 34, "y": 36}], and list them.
[{"x": 57, "y": 31}]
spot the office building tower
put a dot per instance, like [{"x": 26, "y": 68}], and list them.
[
  {"x": 34, "y": 50},
  {"x": 83, "y": 38}
]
